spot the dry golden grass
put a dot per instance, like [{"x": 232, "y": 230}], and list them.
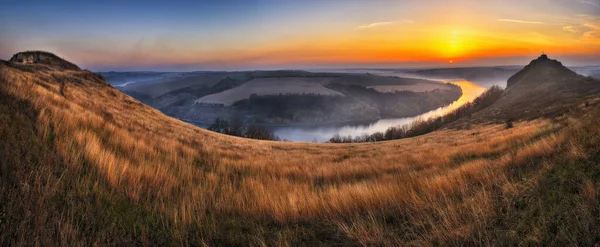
[{"x": 207, "y": 188}]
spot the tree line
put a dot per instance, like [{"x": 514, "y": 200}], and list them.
[
  {"x": 236, "y": 127},
  {"x": 305, "y": 108}
]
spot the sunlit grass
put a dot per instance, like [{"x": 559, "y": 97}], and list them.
[{"x": 198, "y": 187}]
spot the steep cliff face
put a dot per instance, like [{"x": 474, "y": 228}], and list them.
[{"x": 41, "y": 57}]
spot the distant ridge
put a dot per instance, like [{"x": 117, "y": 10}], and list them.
[{"x": 43, "y": 57}]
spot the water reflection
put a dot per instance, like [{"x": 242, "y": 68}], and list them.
[{"x": 323, "y": 133}]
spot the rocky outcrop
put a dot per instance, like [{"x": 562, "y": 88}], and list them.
[{"x": 42, "y": 57}]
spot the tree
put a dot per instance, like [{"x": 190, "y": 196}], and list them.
[
  {"x": 258, "y": 132},
  {"x": 236, "y": 126},
  {"x": 220, "y": 126}
]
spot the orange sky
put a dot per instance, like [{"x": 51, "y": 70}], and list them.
[{"x": 309, "y": 33}]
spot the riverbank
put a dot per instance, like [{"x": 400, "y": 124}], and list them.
[{"x": 322, "y": 132}]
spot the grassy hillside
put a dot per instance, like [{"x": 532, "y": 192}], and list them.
[
  {"x": 84, "y": 164},
  {"x": 544, "y": 88}
]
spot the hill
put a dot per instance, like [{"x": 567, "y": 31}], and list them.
[
  {"x": 45, "y": 58},
  {"x": 84, "y": 164},
  {"x": 544, "y": 88}
]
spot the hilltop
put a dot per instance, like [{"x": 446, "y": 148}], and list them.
[
  {"x": 544, "y": 88},
  {"x": 538, "y": 70},
  {"x": 43, "y": 58},
  {"x": 84, "y": 164}
]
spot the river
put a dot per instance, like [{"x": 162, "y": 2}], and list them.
[{"x": 324, "y": 133}]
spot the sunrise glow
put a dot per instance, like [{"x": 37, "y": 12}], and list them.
[{"x": 276, "y": 34}]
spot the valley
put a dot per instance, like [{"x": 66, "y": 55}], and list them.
[
  {"x": 202, "y": 97},
  {"x": 288, "y": 98}
]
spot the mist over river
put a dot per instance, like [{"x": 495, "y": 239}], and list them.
[
  {"x": 312, "y": 133},
  {"x": 324, "y": 133}
]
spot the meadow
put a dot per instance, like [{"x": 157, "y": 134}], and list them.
[
  {"x": 85, "y": 164},
  {"x": 271, "y": 86},
  {"x": 420, "y": 87}
]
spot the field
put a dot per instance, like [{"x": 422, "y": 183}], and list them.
[
  {"x": 86, "y": 165},
  {"x": 270, "y": 86},
  {"x": 177, "y": 81},
  {"x": 420, "y": 87}
]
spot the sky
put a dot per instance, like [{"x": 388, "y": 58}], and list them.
[{"x": 302, "y": 34}]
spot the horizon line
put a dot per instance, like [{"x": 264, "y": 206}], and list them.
[{"x": 327, "y": 68}]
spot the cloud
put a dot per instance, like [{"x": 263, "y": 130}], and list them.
[
  {"x": 591, "y": 2},
  {"x": 520, "y": 21},
  {"x": 588, "y": 26},
  {"x": 384, "y": 23},
  {"x": 376, "y": 24},
  {"x": 592, "y": 35},
  {"x": 571, "y": 29}
]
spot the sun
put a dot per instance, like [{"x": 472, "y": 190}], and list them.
[{"x": 457, "y": 42}]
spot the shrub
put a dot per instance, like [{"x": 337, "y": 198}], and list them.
[
  {"x": 235, "y": 127},
  {"x": 509, "y": 124}
]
